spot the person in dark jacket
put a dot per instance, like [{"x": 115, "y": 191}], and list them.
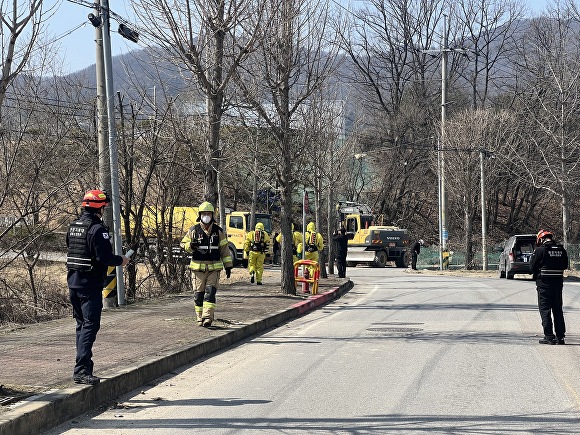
[
  {"x": 275, "y": 249},
  {"x": 89, "y": 255},
  {"x": 415, "y": 251},
  {"x": 341, "y": 242},
  {"x": 548, "y": 263}
]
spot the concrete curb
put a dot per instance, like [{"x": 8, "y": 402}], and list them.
[{"x": 48, "y": 410}]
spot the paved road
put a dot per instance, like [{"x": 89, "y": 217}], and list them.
[{"x": 402, "y": 352}]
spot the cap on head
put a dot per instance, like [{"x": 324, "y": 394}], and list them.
[
  {"x": 260, "y": 226},
  {"x": 96, "y": 199},
  {"x": 311, "y": 227}
]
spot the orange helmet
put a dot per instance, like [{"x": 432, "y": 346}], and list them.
[
  {"x": 542, "y": 234},
  {"x": 96, "y": 199}
]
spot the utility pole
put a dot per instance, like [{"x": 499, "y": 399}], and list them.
[
  {"x": 443, "y": 217},
  {"x": 442, "y": 203},
  {"x": 483, "y": 154},
  {"x": 113, "y": 152},
  {"x": 102, "y": 129},
  {"x": 443, "y": 231}
]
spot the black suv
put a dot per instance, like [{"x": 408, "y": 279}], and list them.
[{"x": 516, "y": 255}]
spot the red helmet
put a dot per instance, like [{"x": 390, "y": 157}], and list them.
[
  {"x": 96, "y": 199},
  {"x": 542, "y": 234}
]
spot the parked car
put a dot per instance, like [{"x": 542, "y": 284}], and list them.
[{"x": 516, "y": 255}]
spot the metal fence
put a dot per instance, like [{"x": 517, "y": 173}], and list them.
[{"x": 429, "y": 258}]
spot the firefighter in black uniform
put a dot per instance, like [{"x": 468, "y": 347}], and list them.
[
  {"x": 89, "y": 255},
  {"x": 548, "y": 263},
  {"x": 341, "y": 243}
]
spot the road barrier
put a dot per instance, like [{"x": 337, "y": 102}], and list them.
[
  {"x": 306, "y": 279},
  {"x": 110, "y": 288}
]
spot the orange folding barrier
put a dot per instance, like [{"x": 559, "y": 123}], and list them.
[{"x": 306, "y": 279}]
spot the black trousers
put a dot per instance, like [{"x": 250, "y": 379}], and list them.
[
  {"x": 341, "y": 266},
  {"x": 550, "y": 304},
  {"x": 87, "y": 307},
  {"x": 414, "y": 260}
]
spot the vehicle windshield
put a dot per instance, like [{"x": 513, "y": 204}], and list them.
[{"x": 366, "y": 221}]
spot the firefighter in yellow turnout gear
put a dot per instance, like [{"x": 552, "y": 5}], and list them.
[
  {"x": 256, "y": 245},
  {"x": 296, "y": 240},
  {"x": 208, "y": 244},
  {"x": 313, "y": 243}
]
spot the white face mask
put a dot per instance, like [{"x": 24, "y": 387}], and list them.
[{"x": 206, "y": 219}]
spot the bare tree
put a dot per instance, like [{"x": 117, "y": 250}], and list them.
[
  {"x": 395, "y": 75},
  {"x": 294, "y": 60},
  {"x": 43, "y": 160},
  {"x": 487, "y": 35},
  {"x": 467, "y": 135},
  {"x": 210, "y": 39},
  {"x": 22, "y": 25},
  {"x": 549, "y": 101}
]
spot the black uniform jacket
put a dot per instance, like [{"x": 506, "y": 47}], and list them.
[
  {"x": 99, "y": 244},
  {"x": 548, "y": 264}
]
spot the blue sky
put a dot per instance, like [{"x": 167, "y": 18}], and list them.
[
  {"x": 77, "y": 48},
  {"x": 77, "y": 44}
]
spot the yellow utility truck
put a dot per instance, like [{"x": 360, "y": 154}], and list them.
[
  {"x": 236, "y": 227},
  {"x": 371, "y": 244}
]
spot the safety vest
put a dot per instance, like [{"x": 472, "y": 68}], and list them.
[
  {"x": 258, "y": 244},
  {"x": 554, "y": 262},
  {"x": 208, "y": 248},
  {"x": 79, "y": 257}
]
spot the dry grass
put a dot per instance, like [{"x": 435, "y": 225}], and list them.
[{"x": 19, "y": 304}]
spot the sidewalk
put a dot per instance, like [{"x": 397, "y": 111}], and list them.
[{"x": 136, "y": 344}]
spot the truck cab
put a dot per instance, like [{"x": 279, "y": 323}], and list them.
[
  {"x": 370, "y": 243},
  {"x": 237, "y": 227}
]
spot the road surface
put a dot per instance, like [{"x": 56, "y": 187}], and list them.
[{"x": 402, "y": 352}]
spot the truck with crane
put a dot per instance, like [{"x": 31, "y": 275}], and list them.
[{"x": 369, "y": 243}]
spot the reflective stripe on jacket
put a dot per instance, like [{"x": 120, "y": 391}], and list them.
[{"x": 210, "y": 248}]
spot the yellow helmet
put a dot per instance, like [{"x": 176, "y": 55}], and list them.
[
  {"x": 311, "y": 227},
  {"x": 260, "y": 226},
  {"x": 206, "y": 206}
]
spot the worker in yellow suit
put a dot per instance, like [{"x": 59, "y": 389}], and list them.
[
  {"x": 256, "y": 245},
  {"x": 313, "y": 243},
  {"x": 296, "y": 240}
]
